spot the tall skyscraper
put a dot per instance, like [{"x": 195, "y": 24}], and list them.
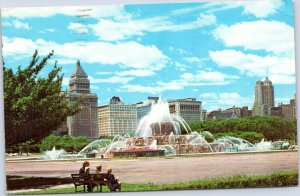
[
  {"x": 85, "y": 122},
  {"x": 264, "y": 98}
]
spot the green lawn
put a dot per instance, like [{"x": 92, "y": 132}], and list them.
[{"x": 286, "y": 178}]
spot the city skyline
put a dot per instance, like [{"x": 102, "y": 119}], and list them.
[{"x": 168, "y": 50}]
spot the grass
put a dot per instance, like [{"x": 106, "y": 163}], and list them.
[{"x": 278, "y": 179}]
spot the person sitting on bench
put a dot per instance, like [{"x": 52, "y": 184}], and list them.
[
  {"x": 98, "y": 168},
  {"x": 112, "y": 182},
  {"x": 85, "y": 169}
]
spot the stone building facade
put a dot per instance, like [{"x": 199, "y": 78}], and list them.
[
  {"x": 117, "y": 118},
  {"x": 85, "y": 122},
  {"x": 189, "y": 109},
  {"x": 264, "y": 98}
]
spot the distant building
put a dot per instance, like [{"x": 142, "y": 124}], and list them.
[
  {"x": 204, "y": 115},
  {"x": 245, "y": 112},
  {"x": 62, "y": 130},
  {"x": 286, "y": 110},
  {"x": 85, "y": 122},
  {"x": 189, "y": 109},
  {"x": 117, "y": 118},
  {"x": 215, "y": 114},
  {"x": 264, "y": 98},
  {"x": 234, "y": 112},
  {"x": 276, "y": 111},
  {"x": 143, "y": 108},
  {"x": 289, "y": 110},
  {"x": 293, "y": 109}
]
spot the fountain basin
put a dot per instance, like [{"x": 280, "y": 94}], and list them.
[{"x": 136, "y": 152}]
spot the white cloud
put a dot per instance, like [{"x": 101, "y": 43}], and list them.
[
  {"x": 209, "y": 95},
  {"x": 103, "y": 11},
  {"x": 65, "y": 81},
  {"x": 225, "y": 99},
  {"x": 112, "y": 80},
  {"x": 17, "y": 24},
  {"x": 94, "y": 87},
  {"x": 208, "y": 76},
  {"x": 258, "y": 8},
  {"x": 111, "y": 30},
  {"x": 50, "y": 30},
  {"x": 281, "y": 70},
  {"x": 6, "y": 24},
  {"x": 180, "y": 66},
  {"x": 78, "y": 28},
  {"x": 229, "y": 96},
  {"x": 140, "y": 88},
  {"x": 202, "y": 78},
  {"x": 136, "y": 72},
  {"x": 104, "y": 72},
  {"x": 271, "y": 36},
  {"x": 126, "y": 54},
  {"x": 64, "y": 61},
  {"x": 192, "y": 59},
  {"x": 160, "y": 87}
]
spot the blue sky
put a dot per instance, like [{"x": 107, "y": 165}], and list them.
[{"x": 211, "y": 51}]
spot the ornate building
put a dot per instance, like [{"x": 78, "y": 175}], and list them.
[
  {"x": 85, "y": 122},
  {"x": 264, "y": 98},
  {"x": 117, "y": 118}
]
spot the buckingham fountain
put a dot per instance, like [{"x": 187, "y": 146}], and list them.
[{"x": 161, "y": 133}]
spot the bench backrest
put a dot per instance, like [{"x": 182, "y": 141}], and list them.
[
  {"x": 100, "y": 178},
  {"x": 80, "y": 179}
]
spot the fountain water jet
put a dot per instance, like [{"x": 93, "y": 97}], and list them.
[{"x": 53, "y": 154}]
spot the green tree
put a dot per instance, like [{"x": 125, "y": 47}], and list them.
[
  {"x": 271, "y": 128},
  {"x": 34, "y": 106},
  {"x": 65, "y": 142}
]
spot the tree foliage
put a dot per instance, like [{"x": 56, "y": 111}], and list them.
[
  {"x": 252, "y": 137},
  {"x": 34, "y": 106},
  {"x": 65, "y": 142},
  {"x": 272, "y": 128}
]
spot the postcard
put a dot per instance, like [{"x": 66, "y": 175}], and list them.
[{"x": 146, "y": 97}]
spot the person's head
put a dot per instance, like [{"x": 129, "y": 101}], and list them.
[
  {"x": 109, "y": 170},
  {"x": 86, "y": 164},
  {"x": 99, "y": 167}
]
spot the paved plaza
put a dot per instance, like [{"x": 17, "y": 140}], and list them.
[{"x": 166, "y": 170}]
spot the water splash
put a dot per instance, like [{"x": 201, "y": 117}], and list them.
[
  {"x": 95, "y": 147},
  {"x": 160, "y": 115},
  {"x": 53, "y": 154},
  {"x": 263, "y": 145}
]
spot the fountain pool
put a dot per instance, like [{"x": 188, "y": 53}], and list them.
[{"x": 161, "y": 133}]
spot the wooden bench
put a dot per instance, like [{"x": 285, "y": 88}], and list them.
[
  {"x": 99, "y": 180},
  {"x": 92, "y": 180},
  {"x": 81, "y": 180}
]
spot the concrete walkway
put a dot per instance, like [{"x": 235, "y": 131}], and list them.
[{"x": 167, "y": 170}]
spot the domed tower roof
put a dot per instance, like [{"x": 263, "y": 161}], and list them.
[
  {"x": 79, "y": 82},
  {"x": 78, "y": 71},
  {"x": 267, "y": 80}
]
